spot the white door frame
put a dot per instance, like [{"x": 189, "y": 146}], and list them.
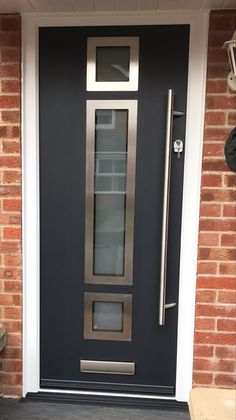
[{"x": 191, "y": 192}]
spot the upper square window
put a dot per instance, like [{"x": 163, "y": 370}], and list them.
[{"x": 112, "y": 63}]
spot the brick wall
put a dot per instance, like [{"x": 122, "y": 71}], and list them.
[
  {"x": 215, "y": 325},
  {"x": 10, "y": 204}
]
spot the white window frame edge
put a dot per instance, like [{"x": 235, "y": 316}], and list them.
[{"x": 199, "y": 22}]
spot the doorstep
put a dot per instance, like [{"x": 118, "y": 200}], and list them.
[{"x": 212, "y": 404}]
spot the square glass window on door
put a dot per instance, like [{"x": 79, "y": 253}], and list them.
[
  {"x": 107, "y": 316},
  {"x": 112, "y": 63}
]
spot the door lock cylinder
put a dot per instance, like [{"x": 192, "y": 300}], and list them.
[{"x": 178, "y": 147}]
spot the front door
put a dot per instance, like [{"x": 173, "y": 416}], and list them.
[{"x": 112, "y": 105}]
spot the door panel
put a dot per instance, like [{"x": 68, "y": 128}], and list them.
[{"x": 64, "y": 286}]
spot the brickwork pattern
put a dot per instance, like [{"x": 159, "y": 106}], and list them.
[
  {"x": 215, "y": 324},
  {"x": 10, "y": 205}
]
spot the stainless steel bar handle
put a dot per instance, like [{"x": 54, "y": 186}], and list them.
[{"x": 165, "y": 214}]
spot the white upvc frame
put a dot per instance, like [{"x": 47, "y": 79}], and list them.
[{"x": 191, "y": 193}]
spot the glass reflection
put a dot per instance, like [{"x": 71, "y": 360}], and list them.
[
  {"x": 112, "y": 64},
  {"x": 108, "y": 316},
  {"x": 110, "y": 192}
]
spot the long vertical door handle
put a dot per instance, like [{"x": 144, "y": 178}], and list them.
[{"x": 165, "y": 214}]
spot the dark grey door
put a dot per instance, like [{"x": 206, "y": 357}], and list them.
[{"x": 102, "y": 165}]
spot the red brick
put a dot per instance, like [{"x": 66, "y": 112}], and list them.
[
  {"x": 10, "y": 70},
  {"x": 230, "y": 180},
  {"x": 212, "y": 310},
  {"x": 202, "y": 378},
  {"x": 11, "y": 147},
  {"x": 201, "y": 350},
  {"x": 9, "y": 219},
  {"x": 202, "y": 324},
  {"x": 213, "y": 364},
  {"x": 208, "y": 239},
  {"x": 227, "y": 283},
  {"x": 10, "y": 273},
  {"x": 10, "y": 161},
  {"x": 217, "y": 55},
  {"x": 213, "y": 149},
  {"x": 7, "y": 101},
  {"x": 216, "y": 134},
  {"x": 12, "y": 353},
  {"x": 14, "y": 340},
  {"x": 9, "y": 39},
  {"x": 4, "y": 219},
  {"x": 214, "y": 165},
  {"x": 228, "y": 239},
  {"x": 7, "y": 247},
  {"x": 228, "y": 268},
  {"x": 215, "y": 338},
  {"x": 3, "y": 131},
  {"x": 209, "y": 194},
  {"x": 221, "y": 102},
  {"x": 10, "y": 55},
  {"x": 10, "y": 378},
  {"x": 10, "y": 190},
  {"x": 17, "y": 300},
  {"x": 227, "y": 296},
  {"x": 9, "y": 86},
  {"x": 219, "y": 254},
  {"x": 211, "y": 180},
  {"x": 232, "y": 118},
  {"x": 220, "y": 22},
  {"x": 5, "y": 300},
  {"x": 226, "y": 325},
  {"x": 210, "y": 210},
  {"x": 12, "y": 286},
  {"x": 218, "y": 70},
  {"x": 12, "y": 313},
  {"x": 12, "y": 260},
  {"x": 11, "y": 365},
  {"x": 217, "y": 225},
  {"x": 229, "y": 210},
  {"x": 217, "y": 39},
  {"x": 225, "y": 380},
  {"x": 10, "y": 23},
  {"x": 11, "y": 116},
  {"x": 207, "y": 267},
  {"x": 215, "y": 117},
  {"x": 15, "y": 219},
  {"x": 9, "y": 132},
  {"x": 226, "y": 352},
  {"x": 12, "y": 205},
  {"x": 12, "y": 233},
  {"x": 206, "y": 296},
  {"x": 13, "y": 326},
  {"x": 11, "y": 177}
]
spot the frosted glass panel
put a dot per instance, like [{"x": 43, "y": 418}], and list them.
[
  {"x": 108, "y": 316},
  {"x": 110, "y": 189},
  {"x": 109, "y": 234},
  {"x": 110, "y": 192},
  {"x": 112, "y": 64}
]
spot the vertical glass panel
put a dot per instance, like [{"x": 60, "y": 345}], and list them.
[
  {"x": 110, "y": 187},
  {"x": 110, "y": 192},
  {"x": 108, "y": 316},
  {"x": 112, "y": 64}
]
